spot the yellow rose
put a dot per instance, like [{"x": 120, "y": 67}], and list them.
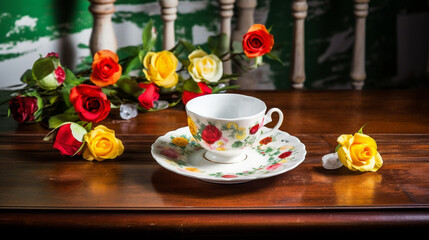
[
  {"x": 161, "y": 68},
  {"x": 192, "y": 128},
  {"x": 192, "y": 169},
  {"x": 205, "y": 67},
  {"x": 241, "y": 133},
  {"x": 180, "y": 141},
  {"x": 359, "y": 152},
  {"x": 102, "y": 144}
]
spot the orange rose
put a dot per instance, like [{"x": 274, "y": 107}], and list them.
[
  {"x": 105, "y": 68},
  {"x": 257, "y": 41}
]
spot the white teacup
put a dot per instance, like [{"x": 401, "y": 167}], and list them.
[{"x": 228, "y": 124}]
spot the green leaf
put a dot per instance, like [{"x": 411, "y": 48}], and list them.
[
  {"x": 148, "y": 36},
  {"x": 191, "y": 86},
  {"x": 132, "y": 65},
  {"x": 229, "y": 87},
  {"x": 71, "y": 79},
  {"x": 84, "y": 46},
  {"x": 188, "y": 46},
  {"x": 270, "y": 55},
  {"x": 88, "y": 127},
  {"x": 70, "y": 82},
  {"x": 42, "y": 68},
  {"x": 128, "y": 51},
  {"x": 130, "y": 58},
  {"x": 28, "y": 78},
  {"x": 141, "y": 55},
  {"x": 129, "y": 86},
  {"x": 57, "y": 120},
  {"x": 237, "y": 144},
  {"x": 219, "y": 44},
  {"x": 237, "y": 47},
  {"x": 233, "y": 76}
]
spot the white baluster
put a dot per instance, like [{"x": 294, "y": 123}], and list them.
[
  {"x": 246, "y": 10},
  {"x": 168, "y": 15},
  {"x": 299, "y": 12},
  {"x": 357, "y": 73},
  {"x": 226, "y": 13},
  {"x": 102, "y": 35}
]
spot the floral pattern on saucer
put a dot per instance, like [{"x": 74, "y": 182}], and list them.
[{"x": 277, "y": 153}]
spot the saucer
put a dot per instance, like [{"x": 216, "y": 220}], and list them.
[{"x": 272, "y": 155}]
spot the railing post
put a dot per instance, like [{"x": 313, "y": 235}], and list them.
[
  {"x": 168, "y": 15},
  {"x": 357, "y": 73},
  {"x": 226, "y": 13},
  {"x": 245, "y": 19},
  {"x": 246, "y": 11},
  {"x": 299, "y": 12},
  {"x": 102, "y": 35}
]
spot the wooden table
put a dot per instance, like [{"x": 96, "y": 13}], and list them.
[{"x": 41, "y": 190}]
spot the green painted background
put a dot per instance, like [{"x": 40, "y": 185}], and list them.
[{"x": 329, "y": 24}]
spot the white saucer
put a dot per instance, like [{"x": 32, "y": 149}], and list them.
[{"x": 278, "y": 153}]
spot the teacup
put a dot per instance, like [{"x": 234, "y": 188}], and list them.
[{"x": 227, "y": 125}]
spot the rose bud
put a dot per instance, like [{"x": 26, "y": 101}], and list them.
[
  {"x": 105, "y": 68},
  {"x": 67, "y": 138},
  {"x": 25, "y": 108},
  {"x": 188, "y": 95},
  {"x": 257, "y": 41},
  {"x": 150, "y": 94},
  {"x": 49, "y": 72}
]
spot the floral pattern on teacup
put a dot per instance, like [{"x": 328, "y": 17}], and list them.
[{"x": 223, "y": 136}]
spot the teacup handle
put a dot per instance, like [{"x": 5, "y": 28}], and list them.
[{"x": 268, "y": 119}]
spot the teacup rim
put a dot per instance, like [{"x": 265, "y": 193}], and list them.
[{"x": 227, "y": 119}]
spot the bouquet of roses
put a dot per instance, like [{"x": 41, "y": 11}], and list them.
[{"x": 136, "y": 78}]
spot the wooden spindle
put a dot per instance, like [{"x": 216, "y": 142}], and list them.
[
  {"x": 102, "y": 35},
  {"x": 245, "y": 19},
  {"x": 168, "y": 15},
  {"x": 246, "y": 10},
  {"x": 357, "y": 73},
  {"x": 299, "y": 12},
  {"x": 226, "y": 13}
]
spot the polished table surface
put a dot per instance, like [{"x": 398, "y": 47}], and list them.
[{"x": 39, "y": 189}]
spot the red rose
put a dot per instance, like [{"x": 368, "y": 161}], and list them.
[
  {"x": 105, "y": 68},
  {"x": 150, "y": 95},
  {"x": 274, "y": 166},
  {"x": 90, "y": 103},
  {"x": 254, "y": 129},
  {"x": 188, "y": 95},
  {"x": 257, "y": 41},
  {"x": 23, "y": 109},
  {"x": 211, "y": 134},
  {"x": 229, "y": 176},
  {"x": 285, "y": 155},
  {"x": 65, "y": 141}
]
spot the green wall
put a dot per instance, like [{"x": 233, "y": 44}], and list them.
[{"x": 27, "y": 27}]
